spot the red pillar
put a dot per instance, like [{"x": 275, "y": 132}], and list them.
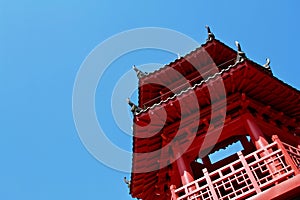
[
  {"x": 206, "y": 161},
  {"x": 186, "y": 174},
  {"x": 185, "y": 170},
  {"x": 254, "y": 132},
  {"x": 246, "y": 144}
]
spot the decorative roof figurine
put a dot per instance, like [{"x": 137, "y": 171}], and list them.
[
  {"x": 267, "y": 65},
  {"x": 210, "y": 35},
  {"x": 127, "y": 182},
  {"x": 134, "y": 108},
  {"x": 139, "y": 73},
  {"x": 240, "y": 54}
]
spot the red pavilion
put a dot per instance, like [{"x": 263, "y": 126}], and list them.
[{"x": 203, "y": 103}]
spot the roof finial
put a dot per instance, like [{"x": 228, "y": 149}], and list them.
[
  {"x": 240, "y": 54},
  {"x": 267, "y": 64},
  {"x": 210, "y": 35},
  {"x": 127, "y": 182},
  {"x": 134, "y": 108},
  {"x": 139, "y": 73}
]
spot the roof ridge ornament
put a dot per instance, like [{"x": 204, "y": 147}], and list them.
[
  {"x": 134, "y": 108},
  {"x": 267, "y": 65},
  {"x": 139, "y": 73},
  {"x": 127, "y": 182},
  {"x": 210, "y": 35},
  {"x": 240, "y": 54}
]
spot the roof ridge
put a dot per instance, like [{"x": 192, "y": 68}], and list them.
[{"x": 176, "y": 60}]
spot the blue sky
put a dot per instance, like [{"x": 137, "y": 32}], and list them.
[{"x": 42, "y": 46}]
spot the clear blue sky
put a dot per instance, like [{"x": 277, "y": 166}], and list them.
[{"x": 42, "y": 45}]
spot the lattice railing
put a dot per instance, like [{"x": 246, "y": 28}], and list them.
[
  {"x": 244, "y": 177},
  {"x": 201, "y": 190},
  {"x": 294, "y": 154},
  {"x": 269, "y": 169}
]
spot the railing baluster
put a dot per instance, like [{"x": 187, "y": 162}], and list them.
[
  {"x": 174, "y": 196},
  {"x": 210, "y": 185},
  {"x": 249, "y": 172}
]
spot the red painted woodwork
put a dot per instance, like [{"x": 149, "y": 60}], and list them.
[
  {"x": 255, "y": 133},
  {"x": 185, "y": 171},
  {"x": 255, "y": 104},
  {"x": 244, "y": 178}
]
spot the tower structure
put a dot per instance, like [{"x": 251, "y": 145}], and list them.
[{"x": 202, "y": 103}]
